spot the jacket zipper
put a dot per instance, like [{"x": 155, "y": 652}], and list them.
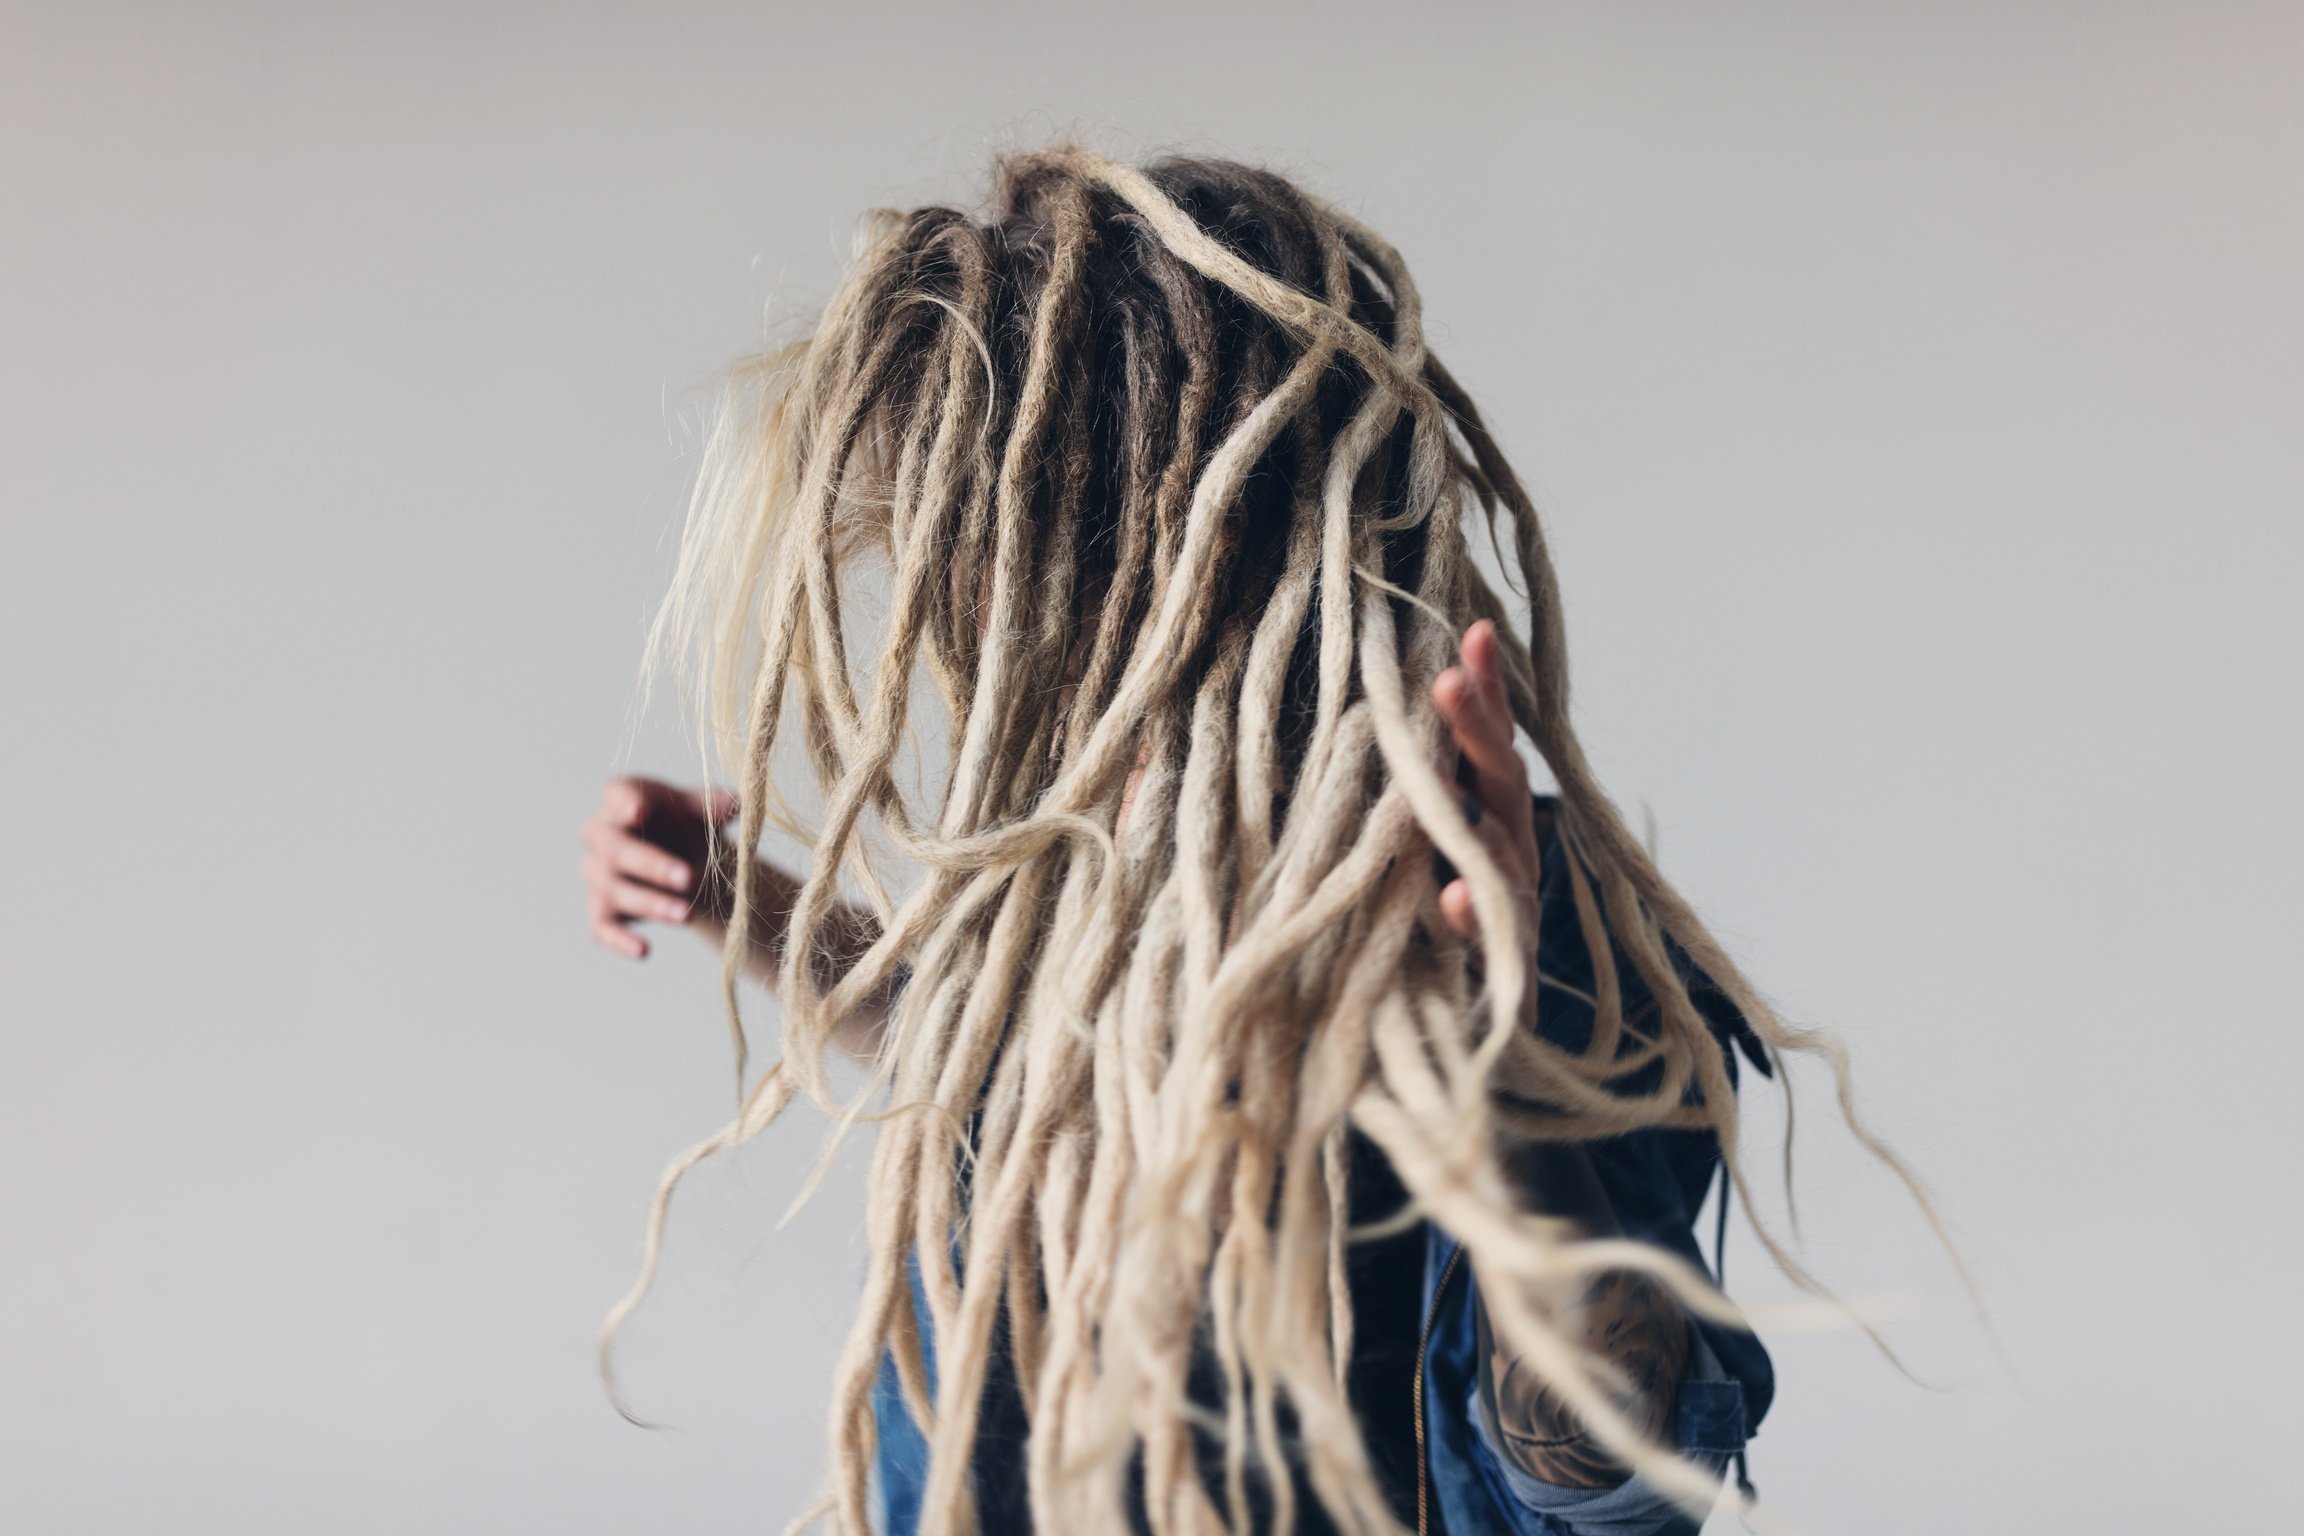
[{"x": 1423, "y": 1353}]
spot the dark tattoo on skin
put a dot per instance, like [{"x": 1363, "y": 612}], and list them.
[
  {"x": 1623, "y": 1317},
  {"x": 1626, "y": 1318}
]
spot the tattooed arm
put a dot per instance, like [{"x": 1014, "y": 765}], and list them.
[{"x": 1625, "y": 1318}]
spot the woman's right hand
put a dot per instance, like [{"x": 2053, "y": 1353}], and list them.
[{"x": 645, "y": 853}]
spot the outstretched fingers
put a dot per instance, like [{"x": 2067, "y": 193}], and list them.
[
  {"x": 1472, "y": 700},
  {"x": 643, "y": 851}
]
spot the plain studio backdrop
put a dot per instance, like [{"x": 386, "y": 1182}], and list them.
[{"x": 1913, "y": 392}]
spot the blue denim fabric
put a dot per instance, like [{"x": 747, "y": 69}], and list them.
[
  {"x": 1475, "y": 1486},
  {"x": 900, "y": 1464},
  {"x": 1656, "y": 1179}
]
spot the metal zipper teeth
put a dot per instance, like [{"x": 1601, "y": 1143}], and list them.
[{"x": 1423, "y": 1352}]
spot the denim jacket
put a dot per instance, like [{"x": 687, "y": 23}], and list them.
[{"x": 1657, "y": 1180}]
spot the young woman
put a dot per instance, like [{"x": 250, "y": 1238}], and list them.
[{"x": 1286, "y": 1120}]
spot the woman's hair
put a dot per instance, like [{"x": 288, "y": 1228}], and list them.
[{"x": 1152, "y": 470}]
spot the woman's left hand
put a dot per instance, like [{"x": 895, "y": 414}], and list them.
[{"x": 1472, "y": 700}]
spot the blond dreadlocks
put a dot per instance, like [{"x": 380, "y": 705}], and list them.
[{"x": 1174, "y": 504}]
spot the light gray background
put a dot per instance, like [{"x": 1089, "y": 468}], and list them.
[{"x": 1914, "y": 392}]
